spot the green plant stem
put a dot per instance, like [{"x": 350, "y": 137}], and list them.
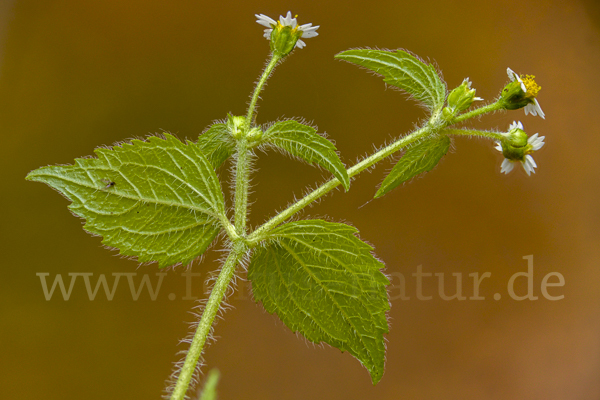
[
  {"x": 368, "y": 162},
  {"x": 474, "y": 132},
  {"x": 477, "y": 112},
  {"x": 259, "y": 86},
  {"x": 243, "y": 152},
  {"x": 241, "y": 186},
  {"x": 239, "y": 247},
  {"x": 208, "y": 316},
  {"x": 241, "y": 207}
]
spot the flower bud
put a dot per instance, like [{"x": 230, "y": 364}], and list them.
[
  {"x": 462, "y": 97},
  {"x": 254, "y": 135},
  {"x": 459, "y": 100},
  {"x": 235, "y": 125}
]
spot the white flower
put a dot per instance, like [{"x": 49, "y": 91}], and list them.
[
  {"x": 307, "y": 30},
  {"x": 529, "y": 84},
  {"x": 528, "y": 165},
  {"x": 534, "y": 143},
  {"x": 265, "y": 21}
]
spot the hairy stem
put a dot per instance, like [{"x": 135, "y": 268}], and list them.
[
  {"x": 241, "y": 186},
  {"x": 474, "y": 132},
  {"x": 259, "y": 86},
  {"x": 208, "y": 316},
  {"x": 368, "y": 162},
  {"x": 477, "y": 112},
  {"x": 238, "y": 250},
  {"x": 243, "y": 155}
]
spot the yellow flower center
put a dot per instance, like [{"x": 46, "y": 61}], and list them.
[{"x": 532, "y": 87}]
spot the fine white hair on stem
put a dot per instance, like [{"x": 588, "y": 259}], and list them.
[{"x": 197, "y": 312}]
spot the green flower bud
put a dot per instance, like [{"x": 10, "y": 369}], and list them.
[
  {"x": 462, "y": 97},
  {"x": 235, "y": 125},
  {"x": 448, "y": 113},
  {"x": 459, "y": 100},
  {"x": 254, "y": 135}
]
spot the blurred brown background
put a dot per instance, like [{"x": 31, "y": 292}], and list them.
[{"x": 78, "y": 74}]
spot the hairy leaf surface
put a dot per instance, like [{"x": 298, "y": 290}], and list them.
[
  {"x": 420, "y": 158},
  {"x": 404, "y": 71},
  {"x": 324, "y": 282},
  {"x": 217, "y": 144},
  {"x": 303, "y": 141},
  {"x": 158, "y": 200}
]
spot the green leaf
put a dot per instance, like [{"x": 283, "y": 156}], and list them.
[
  {"x": 303, "y": 142},
  {"x": 158, "y": 200},
  {"x": 217, "y": 144},
  {"x": 209, "y": 392},
  {"x": 420, "y": 158},
  {"x": 404, "y": 71},
  {"x": 324, "y": 282}
]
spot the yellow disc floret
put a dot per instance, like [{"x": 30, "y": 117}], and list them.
[{"x": 532, "y": 87}]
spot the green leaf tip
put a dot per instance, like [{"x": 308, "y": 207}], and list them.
[
  {"x": 418, "y": 159},
  {"x": 323, "y": 282},
  {"x": 158, "y": 200},
  {"x": 302, "y": 141},
  {"x": 209, "y": 392},
  {"x": 404, "y": 71}
]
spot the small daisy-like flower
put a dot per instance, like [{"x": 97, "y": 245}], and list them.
[
  {"x": 530, "y": 89},
  {"x": 287, "y": 32},
  {"x": 518, "y": 148}
]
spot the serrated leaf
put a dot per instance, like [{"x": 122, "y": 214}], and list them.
[
  {"x": 217, "y": 144},
  {"x": 404, "y": 71},
  {"x": 323, "y": 282},
  {"x": 303, "y": 142},
  {"x": 158, "y": 200},
  {"x": 420, "y": 158}
]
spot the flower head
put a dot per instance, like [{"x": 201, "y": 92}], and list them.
[
  {"x": 285, "y": 34},
  {"x": 518, "y": 147},
  {"x": 522, "y": 92}
]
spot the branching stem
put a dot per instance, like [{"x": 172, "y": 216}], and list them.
[
  {"x": 430, "y": 128},
  {"x": 368, "y": 162},
  {"x": 239, "y": 247},
  {"x": 242, "y": 242}
]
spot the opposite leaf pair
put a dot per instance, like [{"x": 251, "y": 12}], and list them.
[{"x": 289, "y": 136}]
